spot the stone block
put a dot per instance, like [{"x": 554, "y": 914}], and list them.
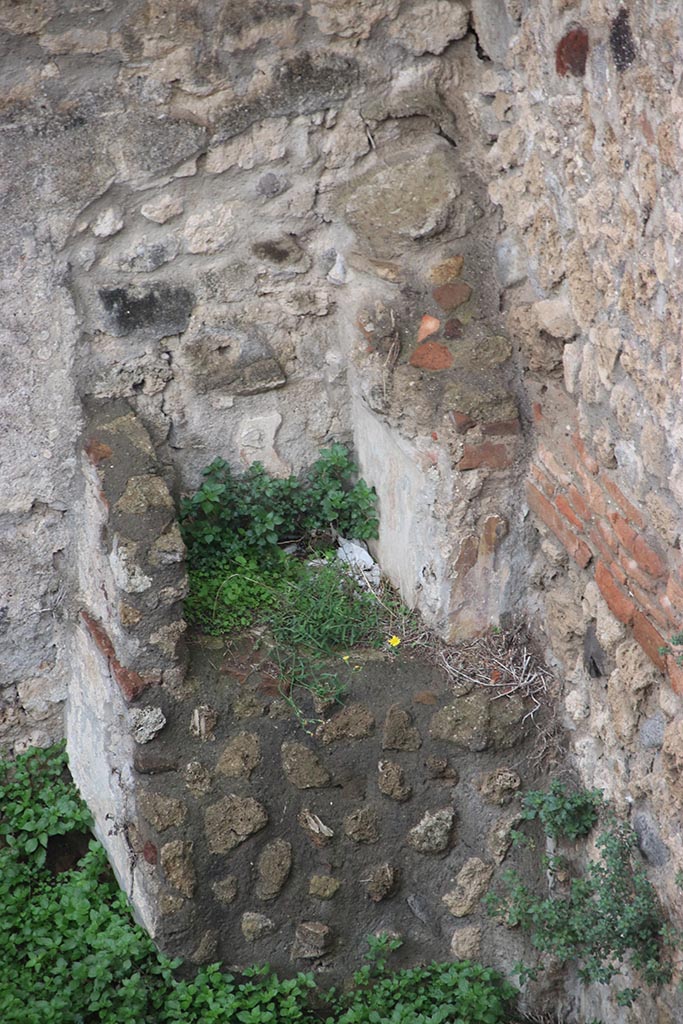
[
  {"x": 434, "y": 832},
  {"x": 302, "y": 766},
  {"x": 471, "y": 883},
  {"x": 232, "y": 821},
  {"x": 273, "y": 868},
  {"x": 149, "y": 311},
  {"x": 240, "y": 756},
  {"x": 312, "y": 940},
  {"x": 399, "y": 733},
  {"x": 177, "y": 863}
]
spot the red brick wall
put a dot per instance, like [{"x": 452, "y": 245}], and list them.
[{"x": 605, "y": 533}]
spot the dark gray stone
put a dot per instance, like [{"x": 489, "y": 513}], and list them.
[
  {"x": 649, "y": 842},
  {"x": 156, "y": 310},
  {"x": 651, "y": 733}
]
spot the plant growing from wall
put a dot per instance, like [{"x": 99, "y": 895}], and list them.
[
  {"x": 603, "y": 918},
  {"x": 235, "y": 529},
  {"x": 72, "y": 954}
]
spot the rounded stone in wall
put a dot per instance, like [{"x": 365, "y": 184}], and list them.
[
  {"x": 233, "y": 820},
  {"x": 302, "y": 766},
  {"x": 361, "y": 826},
  {"x": 256, "y": 926},
  {"x": 273, "y": 868},
  {"x": 434, "y": 831}
]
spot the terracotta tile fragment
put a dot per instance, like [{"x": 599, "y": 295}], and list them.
[{"x": 428, "y": 325}]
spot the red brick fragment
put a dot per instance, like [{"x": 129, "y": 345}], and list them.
[
  {"x": 428, "y": 325},
  {"x": 494, "y": 456},
  {"x": 537, "y": 410},
  {"x": 553, "y": 466},
  {"x": 494, "y": 531},
  {"x": 627, "y": 536},
  {"x": 450, "y": 296},
  {"x": 97, "y": 451},
  {"x": 650, "y": 640},
  {"x": 431, "y": 356},
  {"x": 462, "y": 422},
  {"x": 99, "y": 634},
  {"x": 589, "y": 462},
  {"x": 634, "y": 572},
  {"x": 648, "y": 559},
  {"x": 467, "y": 556},
  {"x": 648, "y": 604},
  {"x": 674, "y": 592},
  {"x": 608, "y": 535},
  {"x": 546, "y": 484},
  {"x": 618, "y": 574},
  {"x": 646, "y": 129},
  {"x": 598, "y": 542},
  {"x": 578, "y": 502},
  {"x": 595, "y": 493},
  {"x": 571, "y": 53},
  {"x": 129, "y": 682},
  {"x": 621, "y": 606},
  {"x": 501, "y": 428},
  {"x": 626, "y": 506},
  {"x": 567, "y": 511},
  {"x": 576, "y": 547},
  {"x": 150, "y": 853}
]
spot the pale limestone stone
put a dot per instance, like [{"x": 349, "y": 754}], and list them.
[
  {"x": 210, "y": 231},
  {"x": 471, "y": 884},
  {"x": 169, "y": 548},
  {"x": 256, "y": 926},
  {"x": 273, "y": 868},
  {"x": 429, "y": 26},
  {"x": 146, "y": 723},
  {"x": 128, "y": 575},
  {"x": 433, "y": 833},
  {"x": 262, "y": 144},
  {"x": 167, "y": 637},
  {"x": 107, "y": 223},
  {"x": 302, "y": 766},
  {"x": 163, "y": 208},
  {"x": 555, "y": 316},
  {"x": 352, "y": 18},
  {"x": 257, "y": 443}
]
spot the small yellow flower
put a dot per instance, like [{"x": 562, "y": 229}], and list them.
[
  {"x": 394, "y": 641},
  {"x": 356, "y": 668},
  {"x": 346, "y": 657}
]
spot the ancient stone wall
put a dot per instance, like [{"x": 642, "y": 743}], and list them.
[
  {"x": 588, "y": 178},
  {"x": 264, "y": 237},
  {"x": 447, "y": 232}
]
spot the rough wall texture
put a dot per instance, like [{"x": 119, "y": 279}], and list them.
[{"x": 447, "y": 231}]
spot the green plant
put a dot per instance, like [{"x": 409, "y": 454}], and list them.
[
  {"x": 675, "y": 641},
  {"x": 253, "y": 514},
  {"x": 456, "y": 993},
  {"x": 564, "y": 814},
  {"x": 602, "y": 919}
]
